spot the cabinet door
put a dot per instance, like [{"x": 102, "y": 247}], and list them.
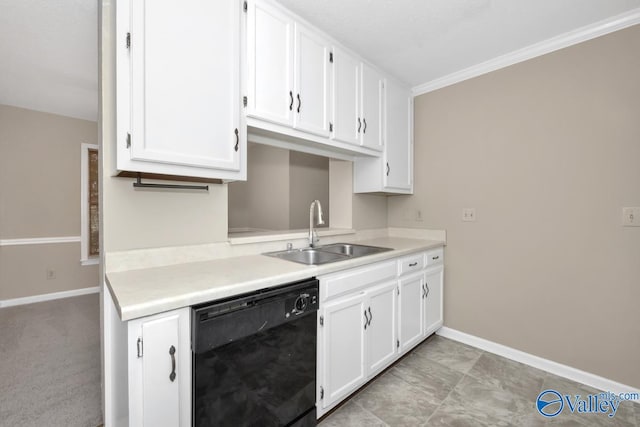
[
  {"x": 346, "y": 81},
  {"x": 433, "y": 300},
  {"x": 311, "y": 77},
  {"x": 381, "y": 335},
  {"x": 398, "y": 148},
  {"x": 372, "y": 101},
  {"x": 270, "y": 64},
  {"x": 411, "y": 308},
  {"x": 343, "y": 348},
  {"x": 185, "y": 97},
  {"x": 158, "y": 347}
]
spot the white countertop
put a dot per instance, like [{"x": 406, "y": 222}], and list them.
[{"x": 143, "y": 292}]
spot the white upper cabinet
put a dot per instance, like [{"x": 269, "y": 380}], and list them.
[
  {"x": 372, "y": 103},
  {"x": 346, "y": 97},
  {"x": 178, "y": 88},
  {"x": 288, "y": 71},
  {"x": 398, "y": 152},
  {"x": 270, "y": 63}
]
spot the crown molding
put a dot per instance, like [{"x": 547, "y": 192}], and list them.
[{"x": 570, "y": 38}]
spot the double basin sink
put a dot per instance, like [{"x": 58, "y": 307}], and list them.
[{"x": 329, "y": 253}]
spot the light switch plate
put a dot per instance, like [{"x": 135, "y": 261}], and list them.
[
  {"x": 469, "y": 214},
  {"x": 631, "y": 217}
]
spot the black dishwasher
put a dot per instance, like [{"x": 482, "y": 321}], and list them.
[{"x": 254, "y": 358}]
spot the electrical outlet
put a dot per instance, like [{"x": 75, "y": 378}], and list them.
[
  {"x": 51, "y": 274},
  {"x": 469, "y": 214},
  {"x": 631, "y": 217},
  {"x": 419, "y": 215}
]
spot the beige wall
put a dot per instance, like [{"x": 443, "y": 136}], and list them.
[
  {"x": 40, "y": 197},
  {"x": 548, "y": 152},
  {"x": 309, "y": 181}
]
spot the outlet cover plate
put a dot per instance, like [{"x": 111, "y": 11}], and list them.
[
  {"x": 469, "y": 214},
  {"x": 631, "y": 217}
]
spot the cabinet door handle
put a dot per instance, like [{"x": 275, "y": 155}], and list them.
[
  {"x": 291, "y": 97},
  {"x": 423, "y": 292},
  {"x": 366, "y": 320},
  {"x": 365, "y": 125},
  {"x": 388, "y": 169},
  {"x": 370, "y": 316},
  {"x": 435, "y": 257},
  {"x": 359, "y": 124},
  {"x": 426, "y": 294},
  {"x": 299, "y": 103},
  {"x": 413, "y": 264},
  {"x": 172, "y": 352},
  {"x": 237, "y": 139}
]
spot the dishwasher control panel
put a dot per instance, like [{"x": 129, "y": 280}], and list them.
[{"x": 306, "y": 300}]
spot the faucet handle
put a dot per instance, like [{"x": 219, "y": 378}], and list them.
[
  {"x": 289, "y": 246},
  {"x": 316, "y": 239}
]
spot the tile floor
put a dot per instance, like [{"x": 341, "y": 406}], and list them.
[{"x": 446, "y": 383}]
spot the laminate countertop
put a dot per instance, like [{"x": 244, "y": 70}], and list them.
[{"x": 144, "y": 292}]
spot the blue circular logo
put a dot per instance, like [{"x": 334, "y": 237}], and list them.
[{"x": 549, "y": 403}]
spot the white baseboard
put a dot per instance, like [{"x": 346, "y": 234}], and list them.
[
  {"x": 39, "y": 241},
  {"x": 48, "y": 297},
  {"x": 547, "y": 365}
]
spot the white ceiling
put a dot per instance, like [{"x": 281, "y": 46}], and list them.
[
  {"x": 48, "y": 48},
  {"x": 49, "y": 56},
  {"x": 420, "y": 41}
]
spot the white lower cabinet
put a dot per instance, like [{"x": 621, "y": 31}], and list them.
[
  {"x": 159, "y": 360},
  {"x": 370, "y": 316},
  {"x": 411, "y": 303},
  {"x": 433, "y": 301}
]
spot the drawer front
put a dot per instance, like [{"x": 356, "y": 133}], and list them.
[
  {"x": 411, "y": 264},
  {"x": 341, "y": 283},
  {"x": 435, "y": 257}
]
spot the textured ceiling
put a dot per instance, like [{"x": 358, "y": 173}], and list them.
[
  {"x": 49, "y": 56},
  {"x": 48, "y": 48},
  {"x": 419, "y": 41}
]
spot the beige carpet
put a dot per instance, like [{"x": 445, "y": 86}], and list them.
[{"x": 50, "y": 363}]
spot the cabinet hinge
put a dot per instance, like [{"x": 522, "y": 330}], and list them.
[
  {"x": 398, "y": 344},
  {"x": 330, "y": 127},
  {"x": 321, "y": 392},
  {"x": 398, "y": 288},
  {"x": 321, "y": 320},
  {"x": 128, "y": 140},
  {"x": 128, "y": 40},
  {"x": 244, "y": 6},
  {"x": 140, "y": 347},
  {"x": 244, "y": 101},
  {"x": 331, "y": 57}
]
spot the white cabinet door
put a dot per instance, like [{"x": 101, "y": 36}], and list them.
[
  {"x": 311, "y": 75},
  {"x": 372, "y": 102},
  {"x": 346, "y": 101},
  {"x": 381, "y": 330},
  {"x": 411, "y": 308},
  {"x": 160, "y": 370},
  {"x": 433, "y": 300},
  {"x": 184, "y": 82},
  {"x": 343, "y": 349},
  {"x": 398, "y": 147},
  {"x": 270, "y": 63}
]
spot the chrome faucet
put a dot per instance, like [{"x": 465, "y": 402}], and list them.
[{"x": 314, "y": 239}]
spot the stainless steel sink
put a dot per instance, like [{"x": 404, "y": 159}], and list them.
[
  {"x": 353, "y": 250},
  {"x": 326, "y": 254}
]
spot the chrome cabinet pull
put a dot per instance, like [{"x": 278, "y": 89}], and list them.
[
  {"x": 413, "y": 264},
  {"x": 359, "y": 124},
  {"x": 291, "y": 97},
  {"x": 172, "y": 352},
  {"x": 237, "y": 139},
  {"x": 365, "y": 126},
  {"x": 370, "y": 316},
  {"x": 426, "y": 295},
  {"x": 435, "y": 257},
  {"x": 424, "y": 292},
  {"x": 366, "y": 320},
  {"x": 388, "y": 169},
  {"x": 299, "y": 103}
]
